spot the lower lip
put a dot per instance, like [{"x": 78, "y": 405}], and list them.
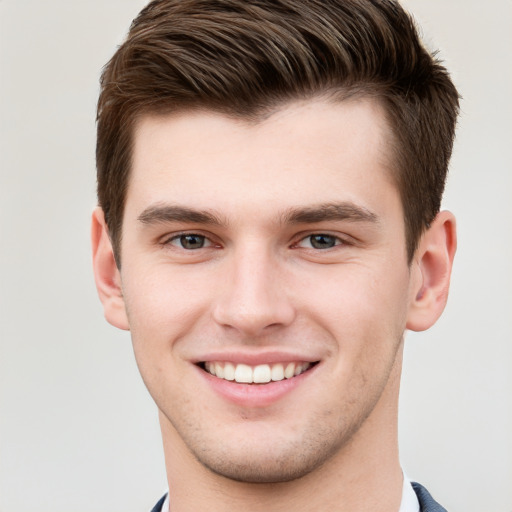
[{"x": 255, "y": 395}]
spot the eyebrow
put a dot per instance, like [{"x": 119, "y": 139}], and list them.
[
  {"x": 161, "y": 213},
  {"x": 344, "y": 211}
]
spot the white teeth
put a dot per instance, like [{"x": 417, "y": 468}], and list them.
[
  {"x": 260, "y": 374},
  {"x": 229, "y": 371},
  {"x": 243, "y": 373},
  {"x": 219, "y": 370},
  {"x": 210, "y": 367},
  {"x": 290, "y": 369},
  {"x": 277, "y": 372}
]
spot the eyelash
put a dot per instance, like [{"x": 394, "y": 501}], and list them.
[
  {"x": 180, "y": 236},
  {"x": 337, "y": 241},
  {"x": 205, "y": 239}
]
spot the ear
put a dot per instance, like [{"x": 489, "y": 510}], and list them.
[
  {"x": 433, "y": 265},
  {"x": 106, "y": 273}
]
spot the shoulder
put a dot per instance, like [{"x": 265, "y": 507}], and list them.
[{"x": 427, "y": 503}]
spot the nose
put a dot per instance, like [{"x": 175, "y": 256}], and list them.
[{"x": 254, "y": 298}]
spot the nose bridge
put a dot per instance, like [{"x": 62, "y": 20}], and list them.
[{"x": 254, "y": 296}]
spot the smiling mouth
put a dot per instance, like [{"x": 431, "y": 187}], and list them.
[{"x": 259, "y": 374}]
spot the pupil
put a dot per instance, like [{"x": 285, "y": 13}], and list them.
[
  {"x": 322, "y": 241},
  {"x": 192, "y": 241}
]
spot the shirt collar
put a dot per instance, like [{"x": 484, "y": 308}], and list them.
[
  {"x": 165, "y": 506},
  {"x": 409, "y": 502}
]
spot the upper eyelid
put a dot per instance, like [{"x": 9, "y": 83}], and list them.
[
  {"x": 339, "y": 240},
  {"x": 171, "y": 242},
  {"x": 344, "y": 238},
  {"x": 167, "y": 242},
  {"x": 177, "y": 234}
]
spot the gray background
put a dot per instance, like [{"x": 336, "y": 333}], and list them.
[{"x": 78, "y": 431}]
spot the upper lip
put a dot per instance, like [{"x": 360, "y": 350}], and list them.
[{"x": 256, "y": 358}]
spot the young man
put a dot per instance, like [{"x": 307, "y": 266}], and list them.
[{"x": 269, "y": 179}]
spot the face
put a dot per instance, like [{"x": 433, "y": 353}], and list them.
[{"x": 266, "y": 284}]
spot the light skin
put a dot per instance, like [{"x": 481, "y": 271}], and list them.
[{"x": 265, "y": 244}]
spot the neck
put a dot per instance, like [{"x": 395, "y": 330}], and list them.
[{"x": 363, "y": 475}]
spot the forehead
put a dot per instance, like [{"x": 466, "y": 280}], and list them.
[{"x": 304, "y": 149}]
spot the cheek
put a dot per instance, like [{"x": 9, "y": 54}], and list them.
[
  {"x": 162, "y": 309},
  {"x": 358, "y": 303},
  {"x": 163, "y": 305},
  {"x": 365, "y": 315}
]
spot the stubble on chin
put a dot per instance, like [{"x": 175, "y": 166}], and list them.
[{"x": 277, "y": 460}]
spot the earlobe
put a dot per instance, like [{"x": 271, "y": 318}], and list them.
[
  {"x": 433, "y": 265},
  {"x": 106, "y": 273}
]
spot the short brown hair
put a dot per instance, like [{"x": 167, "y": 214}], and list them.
[{"x": 245, "y": 58}]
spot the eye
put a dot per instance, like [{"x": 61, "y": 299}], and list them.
[
  {"x": 190, "y": 241},
  {"x": 320, "y": 241}
]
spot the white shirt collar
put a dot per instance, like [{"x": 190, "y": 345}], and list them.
[
  {"x": 165, "y": 506},
  {"x": 409, "y": 502}
]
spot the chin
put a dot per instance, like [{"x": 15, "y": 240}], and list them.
[
  {"x": 275, "y": 459},
  {"x": 267, "y": 471}
]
